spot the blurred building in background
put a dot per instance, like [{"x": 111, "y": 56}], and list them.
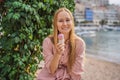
[{"x": 94, "y": 11}]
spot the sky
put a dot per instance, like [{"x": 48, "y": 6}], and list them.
[{"x": 114, "y": 2}]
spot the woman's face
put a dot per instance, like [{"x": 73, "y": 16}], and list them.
[{"x": 64, "y": 22}]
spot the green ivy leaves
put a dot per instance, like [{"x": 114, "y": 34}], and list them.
[
  {"x": 16, "y": 16},
  {"x": 25, "y": 24}
]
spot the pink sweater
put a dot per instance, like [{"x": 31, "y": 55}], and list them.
[{"x": 61, "y": 73}]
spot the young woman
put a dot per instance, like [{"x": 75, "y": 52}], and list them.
[{"x": 63, "y": 61}]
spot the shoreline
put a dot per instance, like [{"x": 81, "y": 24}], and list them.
[
  {"x": 98, "y": 69},
  {"x": 103, "y": 58}
]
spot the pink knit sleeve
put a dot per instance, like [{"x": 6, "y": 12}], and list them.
[
  {"x": 78, "y": 65},
  {"x": 47, "y": 52}
]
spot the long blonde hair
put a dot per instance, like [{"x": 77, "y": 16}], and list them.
[{"x": 72, "y": 52}]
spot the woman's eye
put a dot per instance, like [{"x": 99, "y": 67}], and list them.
[
  {"x": 67, "y": 20},
  {"x": 60, "y": 20}
]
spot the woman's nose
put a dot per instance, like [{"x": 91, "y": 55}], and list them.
[{"x": 64, "y": 23}]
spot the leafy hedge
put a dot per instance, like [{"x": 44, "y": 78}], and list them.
[{"x": 24, "y": 25}]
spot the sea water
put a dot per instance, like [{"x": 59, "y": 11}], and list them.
[{"x": 105, "y": 45}]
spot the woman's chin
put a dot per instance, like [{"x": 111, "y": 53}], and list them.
[{"x": 65, "y": 31}]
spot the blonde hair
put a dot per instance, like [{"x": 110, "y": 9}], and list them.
[{"x": 72, "y": 52}]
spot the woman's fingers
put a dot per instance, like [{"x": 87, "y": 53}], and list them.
[{"x": 60, "y": 47}]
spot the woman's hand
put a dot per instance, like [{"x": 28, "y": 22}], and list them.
[{"x": 60, "y": 48}]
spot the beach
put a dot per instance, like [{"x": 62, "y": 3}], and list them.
[{"x": 96, "y": 69}]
